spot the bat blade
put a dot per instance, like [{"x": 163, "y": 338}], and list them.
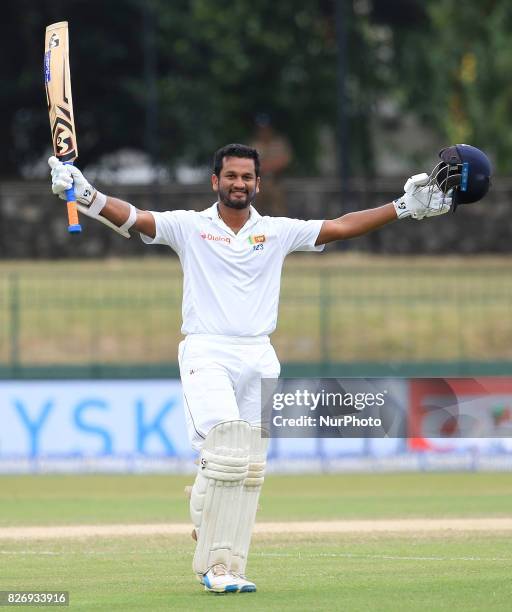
[{"x": 57, "y": 79}]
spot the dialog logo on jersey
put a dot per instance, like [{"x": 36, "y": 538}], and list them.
[{"x": 214, "y": 238}]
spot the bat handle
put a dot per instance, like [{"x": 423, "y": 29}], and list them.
[{"x": 74, "y": 226}]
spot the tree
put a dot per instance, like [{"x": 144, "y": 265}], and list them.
[
  {"x": 178, "y": 79},
  {"x": 103, "y": 61},
  {"x": 455, "y": 74},
  {"x": 218, "y": 64}
]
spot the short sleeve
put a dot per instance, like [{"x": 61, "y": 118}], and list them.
[
  {"x": 298, "y": 235},
  {"x": 172, "y": 228}
]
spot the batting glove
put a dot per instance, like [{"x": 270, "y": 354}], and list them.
[
  {"x": 421, "y": 199},
  {"x": 90, "y": 201},
  {"x": 65, "y": 175}
]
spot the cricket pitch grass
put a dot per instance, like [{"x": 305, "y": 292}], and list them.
[{"x": 327, "y": 542}]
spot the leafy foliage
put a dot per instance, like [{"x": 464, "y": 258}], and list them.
[
  {"x": 179, "y": 79},
  {"x": 456, "y": 74}
]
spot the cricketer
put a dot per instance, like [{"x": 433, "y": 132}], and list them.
[{"x": 232, "y": 259}]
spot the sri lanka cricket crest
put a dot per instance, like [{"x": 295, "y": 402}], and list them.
[{"x": 256, "y": 239}]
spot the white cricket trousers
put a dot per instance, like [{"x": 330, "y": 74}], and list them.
[{"x": 221, "y": 380}]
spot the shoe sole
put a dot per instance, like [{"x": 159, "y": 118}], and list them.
[{"x": 230, "y": 588}]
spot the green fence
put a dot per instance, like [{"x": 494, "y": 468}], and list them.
[{"x": 338, "y": 315}]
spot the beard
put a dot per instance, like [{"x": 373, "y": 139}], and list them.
[{"x": 229, "y": 198}]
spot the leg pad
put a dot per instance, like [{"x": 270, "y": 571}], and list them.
[
  {"x": 216, "y": 498},
  {"x": 250, "y": 496}
]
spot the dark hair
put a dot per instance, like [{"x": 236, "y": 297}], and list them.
[{"x": 235, "y": 150}]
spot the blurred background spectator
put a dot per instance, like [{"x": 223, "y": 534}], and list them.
[{"x": 276, "y": 156}]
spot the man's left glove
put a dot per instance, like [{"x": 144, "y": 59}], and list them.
[{"x": 421, "y": 199}]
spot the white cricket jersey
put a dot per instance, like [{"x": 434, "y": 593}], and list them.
[{"x": 231, "y": 281}]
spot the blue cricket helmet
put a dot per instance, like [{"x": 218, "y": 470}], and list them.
[{"x": 466, "y": 170}]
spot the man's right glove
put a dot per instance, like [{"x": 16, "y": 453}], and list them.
[
  {"x": 66, "y": 175},
  {"x": 421, "y": 199},
  {"x": 90, "y": 201}
]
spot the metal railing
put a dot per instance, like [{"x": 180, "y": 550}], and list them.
[{"x": 99, "y": 315}]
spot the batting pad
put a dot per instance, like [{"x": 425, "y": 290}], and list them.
[
  {"x": 250, "y": 495},
  {"x": 215, "y": 502}
]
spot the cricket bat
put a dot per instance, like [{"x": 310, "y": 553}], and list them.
[{"x": 57, "y": 81}]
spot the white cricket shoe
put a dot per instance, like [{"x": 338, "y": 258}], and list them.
[
  {"x": 244, "y": 585},
  {"x": 218, "y": 580}
]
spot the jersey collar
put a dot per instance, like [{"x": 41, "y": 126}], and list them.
[{"x": 213, "y": 214}]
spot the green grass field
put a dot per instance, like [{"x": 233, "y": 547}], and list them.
[
  {"x": 334, "y": 308},
  {"x": 444, "y": 570}
]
